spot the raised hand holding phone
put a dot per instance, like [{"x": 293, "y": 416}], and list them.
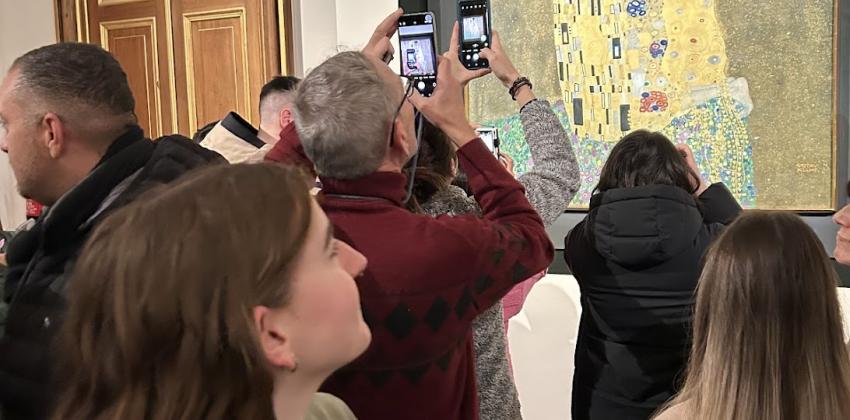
[
  {"x": 462, "y": 74},
  {"x": 445, "y": 108},
  {"x": 504, "y": 69},
  {"x": 475, "y": 31},
  {"x": 379, "y": 46}
]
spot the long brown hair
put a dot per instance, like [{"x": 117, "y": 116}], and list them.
[
  {"x": 768, "y": 341},
  {"x": 159, "y": 323}
]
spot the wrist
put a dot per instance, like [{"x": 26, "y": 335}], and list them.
[
  {"x": 524, "y": 96},
  {"x": 509, "y": 80}
]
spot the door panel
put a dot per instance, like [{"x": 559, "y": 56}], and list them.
[
  {"x": 217, "y": 60},
  {"x": 223, "y": 57},
  {"x": 133, "y": 44},
  {"x": 137, "y": 33}
]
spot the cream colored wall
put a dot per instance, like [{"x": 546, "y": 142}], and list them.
[
  {"x": 24, "y": 25},
  {"x": 324, "y": 27}
]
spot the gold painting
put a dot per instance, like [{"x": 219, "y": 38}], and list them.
[{"x": 750, "y": 86}]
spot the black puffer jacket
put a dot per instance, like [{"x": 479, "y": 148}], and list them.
[
  {"x": 40, "y": 259},
  {"x": 637, "y": 258}
]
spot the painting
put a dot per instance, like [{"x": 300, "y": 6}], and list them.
[{"x": 749, "y": 86}]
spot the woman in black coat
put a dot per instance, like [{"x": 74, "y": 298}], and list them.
[{"x": 637, "y": 257}]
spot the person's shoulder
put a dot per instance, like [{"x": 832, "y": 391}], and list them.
[{"x": 328, "y": 407}]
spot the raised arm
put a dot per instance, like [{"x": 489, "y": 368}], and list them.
[{"x": 555, "y": 179}]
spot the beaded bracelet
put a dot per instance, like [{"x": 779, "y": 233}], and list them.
[{"x": 522, "y": 81}]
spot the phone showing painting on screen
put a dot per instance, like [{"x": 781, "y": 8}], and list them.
[
  {"x": 475, "y": 32},
  {"x": 418, "y": 51}
]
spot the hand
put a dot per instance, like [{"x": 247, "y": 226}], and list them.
[
  {"x": 462, "y": 74},
  {"x": 508, "y": 161},
  {"x": 380, "y": 44},
  {"x": 3, "y": 260},
  {"x": 688, "y": 154},
  {"x": 446, "y": 109},
  {"x": 500, "y": 63}
]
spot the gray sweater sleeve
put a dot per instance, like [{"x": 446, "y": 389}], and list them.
[{"x": 555, "y": 178}]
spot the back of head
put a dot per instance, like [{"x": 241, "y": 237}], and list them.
[
  {"x": 159, "y": 323},
  {"x": 83, "y": 83},
  {"x": 343, "y": 113},
  {"x": 646, "y": 158},
  {"x": 768, "y": 341},
  {"x": 275, "y": 95}
]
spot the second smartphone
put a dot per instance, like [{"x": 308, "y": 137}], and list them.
[
  {"x": 418, "y": 51},
  {"x": 475, "y": 32}
]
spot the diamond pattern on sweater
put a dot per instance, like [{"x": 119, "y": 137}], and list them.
[
  {"x": 519, "y": 273},
  {"x": 463, "y": 304},
  {"x": 414, "y": 375},
  {"x": 483, "y": 283},
  {"x": 437, "y": 314},
  {"x": 497, "y": 256},
  {"x": 400, "y": 321}
]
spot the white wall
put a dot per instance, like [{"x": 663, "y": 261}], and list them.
[
  {"x": 24, "y": 25},
  {"x": 325, "y": 27}
]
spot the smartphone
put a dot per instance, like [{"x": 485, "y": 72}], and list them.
[
  {"x": 490, "y": 136},
  {"x": 418, "y": 49},
  {"x": 475, "y": 32}
]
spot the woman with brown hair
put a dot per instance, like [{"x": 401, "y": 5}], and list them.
[
  {"x": 225, "y": 296},
  {"x": 637, "y": 257},
  {"x": 768, "y": 341}
]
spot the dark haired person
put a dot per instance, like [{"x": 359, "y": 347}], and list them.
[
  {"x": 74, "y": 145},
  {"x": 276, "y": 107},
  {"x": 238, "y": 141},
  {"x": 637, "y": 257}
]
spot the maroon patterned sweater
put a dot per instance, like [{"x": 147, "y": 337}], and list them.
[{"x": 426, "y": 282}]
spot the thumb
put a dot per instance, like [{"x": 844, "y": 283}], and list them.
[{"x": 417, "y": 100}]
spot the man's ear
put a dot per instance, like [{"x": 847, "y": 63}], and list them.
[
  {"x": 275, "y": 344},
  {"x": 53, "y": 134},
  {"x": 286, "y": 117}
]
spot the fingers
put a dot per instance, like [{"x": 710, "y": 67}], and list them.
[
  {"x": 455, "y": 43},
  {"x": 388, "y": 26},
  {"x": 479, "y": 73},
  {"x": 487, "y": 54},
  {"x": 497, "y": 41}
]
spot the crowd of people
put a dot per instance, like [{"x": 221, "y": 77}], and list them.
[{"x": 327, "y": 265}]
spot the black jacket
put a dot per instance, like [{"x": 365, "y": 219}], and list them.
[
  {"x": 637, "y": 258},
  {"x": 40, "y": 259}
]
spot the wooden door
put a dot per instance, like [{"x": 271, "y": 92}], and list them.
[
  {"x": 189, "y": 62},
  {"x": 225, "y": 50},
  {"x": 138, "y": 34}
]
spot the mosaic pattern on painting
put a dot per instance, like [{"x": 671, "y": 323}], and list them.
[
  {"x": 591, "y": 153},
  {"x": 703, "y": 72}
]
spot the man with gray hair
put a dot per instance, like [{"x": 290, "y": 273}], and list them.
[
  {"x": 67, "y": 122},
  {"x": 428, "y": 278}
]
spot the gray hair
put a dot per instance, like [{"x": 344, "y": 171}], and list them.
[{"x": 343, "y": 114}]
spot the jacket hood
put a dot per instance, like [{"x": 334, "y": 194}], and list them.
[{"x": 643, "y": 226}]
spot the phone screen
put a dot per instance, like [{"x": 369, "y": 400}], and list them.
[
  {"x": 490, "y": 136},
  {"x": 418, "y": 51},
  {"x": 474, "y": 18}
]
